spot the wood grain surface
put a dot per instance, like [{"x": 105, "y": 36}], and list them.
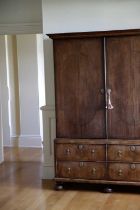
[
  {"x": 123, "y": 78},
  {"x": 79, "y": 76}
]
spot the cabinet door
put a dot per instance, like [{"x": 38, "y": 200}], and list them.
[
  {"x": 123, "y": 78},
  {"x": 79, "y": 76}
]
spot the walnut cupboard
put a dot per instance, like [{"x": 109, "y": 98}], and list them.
[{"x": 97, "y": 86}]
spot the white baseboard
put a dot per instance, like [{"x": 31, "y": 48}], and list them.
[
  {"x": 26, "y": 141},
  {"x": 48, "y": 172}
]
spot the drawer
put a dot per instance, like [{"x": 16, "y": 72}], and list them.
[
  {"x": 80, "y": 170},
  {"x": 124, "y": 171},
  {"x": 77, "y": 152},
  {"x": 130, "y": 153}
]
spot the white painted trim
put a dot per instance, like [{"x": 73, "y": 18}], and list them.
[
  {"x": 26, "y": 141},
  {"x": 48, "y": 172},
  {"x": 48, "y": 112},
  {"x": 21, "y": 28},
  {"x": 48, "y": 108},
  {"x": 49, "y": 134}
]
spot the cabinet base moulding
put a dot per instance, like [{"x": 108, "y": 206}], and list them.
[{"x": 97, "y": 181}]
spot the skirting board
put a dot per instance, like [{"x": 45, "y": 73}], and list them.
[
  {"x": 26, "y": 141},
  {"x": 48, "y": 172}
]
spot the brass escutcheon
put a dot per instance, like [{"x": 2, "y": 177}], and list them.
[
  {"x": 67, "y": 151},
  {"x": 133, "y": 166},
  {"x": 120, "y": 172},
  {"x": 81, "y": 164},
  {"x": 119, "y": 153},
  {"x": 94, "y": 171},
  {"x": 69, "y": 170},
  {"x": 80, "y": 146}
]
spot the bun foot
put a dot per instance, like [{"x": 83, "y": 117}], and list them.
[
  {"x": 108, "y": 190},
  {"x": 58, "y": 186}
]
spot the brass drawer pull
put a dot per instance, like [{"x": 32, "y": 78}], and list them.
[
  {"x": 67, "y": 151},
  {"x": 94, "y": 171},
  {"x": 119, "y": 153},
  {"x": 93, "y": 151},
  {"x": 69, "y": 170},
  {"x": 80, "y": 147},
  {"x": 132, "y": 148},
  {"x": 120, "y": 172},
  {"x": 133, "y": 166},
  {"x": 81, "y": 164}
]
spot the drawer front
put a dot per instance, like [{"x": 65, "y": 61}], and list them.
[
  {"x": 80, "y": 170},
  {"x": 124, "y": 153},
  {"x": 124, "y": 171},
  {"x": 77, "y": 152}
]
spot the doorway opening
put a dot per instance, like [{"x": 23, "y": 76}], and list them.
[{"x": 23, "y": 90}]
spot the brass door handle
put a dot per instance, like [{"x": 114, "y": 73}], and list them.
[
  {"x": 108, "y": 96},
  {"x": 132, "y": 148}
]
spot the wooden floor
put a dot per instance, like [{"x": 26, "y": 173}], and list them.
[{"x": 21, "y": 188}]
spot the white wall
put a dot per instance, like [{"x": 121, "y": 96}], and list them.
[
  {"x": 41, "y": 77},
  {"x": 12, "y": 80},
  {"x": 20, "y": 16},
  {"x": 89, "y": 15}
]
